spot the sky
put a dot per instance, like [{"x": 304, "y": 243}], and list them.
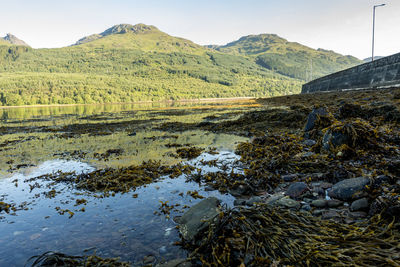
[{"x": 344, "y": 26}]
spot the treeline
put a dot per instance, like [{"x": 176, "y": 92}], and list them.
[{"x": 77, "y": 75}]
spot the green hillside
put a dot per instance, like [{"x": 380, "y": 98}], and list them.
[
  {"x": 288, "y": 58},
  {"x": 125, "y": 64}
]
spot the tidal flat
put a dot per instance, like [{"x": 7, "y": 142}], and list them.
[{"x": 303, "y": 179}]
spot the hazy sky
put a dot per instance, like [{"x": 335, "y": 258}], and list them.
[{"x": 344, "y": 26}]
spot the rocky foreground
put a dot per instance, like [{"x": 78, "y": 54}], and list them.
[{"x": 321, "y": 186}]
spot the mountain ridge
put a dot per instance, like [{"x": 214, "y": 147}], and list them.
[
  {"x": 128, "y": 63},
  {"x": 12, "y": 40}
]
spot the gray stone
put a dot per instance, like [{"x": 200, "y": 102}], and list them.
[
  {"x": 332, "y": 140},
  {"x": 357, "y": 214},
  {"x": 325, "y": 185},
  {"x": 296, "y": 190},
  {"x": 198, "y": 218},
  {"x": 288, "y": 203},
  {"x": 309, "y": 142},
  {"x": 175, "y": 263},
  {"x": 319, "y": 203},
  {"x": 349, "y": 189},
  {"x": 334, "y": 203},
  {"x": 254, "y": 199},
  {"x": 359, "y": 204},
  {"x": 289, "y": 177},
  {"x": 306, "y": 207},
  {"x": 239, "y": 202},
  {"x": 331, "y": 215},
  {"x": 312, "y": 118},
  {"x": 274, "y": 198}
]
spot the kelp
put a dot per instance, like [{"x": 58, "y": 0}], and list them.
[
  {"x": 265, "y": 236},
  {"x": 54, "y": 259}
]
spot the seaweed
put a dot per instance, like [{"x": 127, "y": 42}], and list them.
[{"x": 262, "y": 236}]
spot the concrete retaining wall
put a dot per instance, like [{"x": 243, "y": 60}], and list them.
[{"x": 384, "y": 72}]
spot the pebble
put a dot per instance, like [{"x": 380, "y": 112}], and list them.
[
  {"x": 359, "y": 204},
  {"x": 349, "y": 189},
  {"x": 334, "y": 203},
  {"x": 319, "y": 203},
  {"x": 296, "y": 190}
]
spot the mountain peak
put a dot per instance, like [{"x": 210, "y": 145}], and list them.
[
  {"x": 12, "y": 39},
  {"x": 126, "y": 28},
  {"x": 119, "y": 29}
]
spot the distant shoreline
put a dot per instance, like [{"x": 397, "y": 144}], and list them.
[{"x": 226, "y": 99}]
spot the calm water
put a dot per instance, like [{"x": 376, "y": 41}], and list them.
[{"x": 115, "y": 226}]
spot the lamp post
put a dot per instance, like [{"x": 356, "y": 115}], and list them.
[{"x": 373, "y": 30}]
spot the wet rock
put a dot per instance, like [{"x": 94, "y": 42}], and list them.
[
  {"x": 313, "y": 116},
  {"x": 239, "y": 202},
  {"x": 357, "y": 215},
  {"x": 253, "y": 200},
  {"x": 274, "y": 198},
  {"x": 349, "y": 189},
  {"x": 198, "y": 218},
  {"x": 149, "y": 259},
  {"x": 332, "y": 140},
  {"x": 240, "y": 190},
  {"x": 325, "y": 185},
  {"x": 306, "y": 207},
  {"x": 289, "y": 177},
  {"x": 309, "y": 142},
  {"x": 287, "y": 202},
  {"x": 334, "y": 203},
  {"x": 319, "y": 203},
  {"x": 331, "y": 215},
  {"x": 175, "y": 263},
  {"x": 359, "y": 204},
  {"x": 318, "y": 212},
  {"x": 298, "y": 189}
]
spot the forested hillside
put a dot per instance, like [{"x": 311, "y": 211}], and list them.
[
  {"x": 129, "y": 63},
  {"x": 288, "y": 58}
]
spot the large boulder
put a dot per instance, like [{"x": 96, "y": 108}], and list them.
[
  {"x": 198, "y": 218},
  {"x": 349, "y": 189}
]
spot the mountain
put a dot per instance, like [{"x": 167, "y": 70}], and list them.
[
  {"x": 10, "y": 39},
  {"x": 288, "y": 58},
  {"x": 128, "y": 63},
  {"x": 368, "y": 59}
]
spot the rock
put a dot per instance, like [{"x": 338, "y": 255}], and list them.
[
  {"x": 288, "y": 203},
  {"x": 325, "y": 185},
  {"x": 357, "y": 215},
  {"x": 296, "y": 190},
  {"x": 319, "y": 203},
  {"x": 318, "y": 212},
  {"x": 331, "y": 215},
  {"x": 334, "y": 203},
  {"x": 289, "y": 177},
  {"x": 274, "y": 198},
  {"x": 149, "y": 259},
  {"x": 198, "y": 217},
  {"x": 253, "y": 200},
  {"x": 240, "y": 190},
  {"x": 132, "y": 134},
  {"x": 359, "y": 204},
  {"x": 349, "y": 189},
  {"x": 309, "y": 142},
  {"x": 306, "y": 207},
  {"x": 239, "y": 202},
  {"x": 175, "y": 263},
  {"x": 313, "y": 116},
  {"x": 332, "y": 140}
]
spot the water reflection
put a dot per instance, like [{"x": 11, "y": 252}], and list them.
[{"x": 118, "y": 226}]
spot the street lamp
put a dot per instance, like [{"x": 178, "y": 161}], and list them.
[{"x": 373, "y": 30}]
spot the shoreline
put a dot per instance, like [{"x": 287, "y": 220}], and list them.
[{"x": 195, "y": 100}]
